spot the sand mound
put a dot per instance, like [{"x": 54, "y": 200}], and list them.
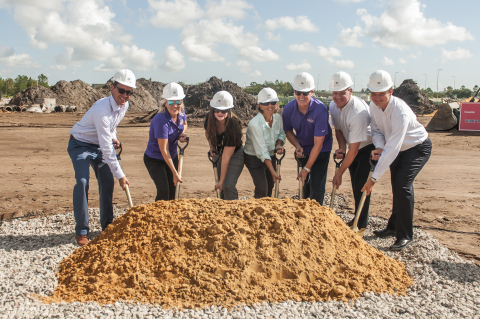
[
  {"x": 413, "y": 96},
  {"x": 196, "y": 253}
]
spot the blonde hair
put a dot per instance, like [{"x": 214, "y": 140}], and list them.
[{"x": 162, "y": 107}]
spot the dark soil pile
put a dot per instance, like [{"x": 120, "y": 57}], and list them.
[
  {"x": 193, "y": 253},
  {"x": 76, "y": 93},
  {"x": 413, "y": 96},
  {"x": 197, "y": 101},
  {"x": 28, "y": 96}
]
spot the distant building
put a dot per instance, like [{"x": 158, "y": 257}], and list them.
[{"x": 97, "y": 86}]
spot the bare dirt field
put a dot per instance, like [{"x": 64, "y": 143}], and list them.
[{"x": 38, "y": 177}]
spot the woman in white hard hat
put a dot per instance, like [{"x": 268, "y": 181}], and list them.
[
  {"x": 167, "y": 126},
  {"x": 265, "y": 137},
  {"x": 402, "y": 144},
  {"x": 223, "y": 131}
]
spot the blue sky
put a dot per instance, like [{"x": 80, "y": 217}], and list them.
[{"x": 242, "y": 41}]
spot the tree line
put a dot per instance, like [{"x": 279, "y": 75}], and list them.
[
  {"x": 10, "y": 86},
  {"x": 282, "y": 88}
]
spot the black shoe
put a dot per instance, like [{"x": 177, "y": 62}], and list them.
[
  {"x": 400, "y": 244},
  {"x": 384, "y": 233}
]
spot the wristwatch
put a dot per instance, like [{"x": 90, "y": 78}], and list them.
[{"x": 307, "y": 169}]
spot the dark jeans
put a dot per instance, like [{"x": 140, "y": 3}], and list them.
[
  {"x": 403, "y": 171},
  {"x": 162, "y": 176},
  {"x": 235, "y": 167},
  {"x": 84, "y": 155},
  {"x": 359, "y": 170},
  {"x": 314, "y": 187},
  {"x": 262, "y": 178}
]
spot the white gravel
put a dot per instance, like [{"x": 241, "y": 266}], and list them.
[{"x": 446, "y": 285}]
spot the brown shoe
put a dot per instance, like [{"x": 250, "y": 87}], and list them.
[{"x": 81, "y": 240}]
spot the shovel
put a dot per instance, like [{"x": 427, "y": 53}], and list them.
[
  {"x": 337, "y": 167},
  {"x": 300, "y": 166},
  {"x": 354, "y": 227},
  {"x": 279, "y": 164},
  {"x": 180, "y": 165},
  {"x": 127, "y": 190},
  {"x": 215, "y": 168}
]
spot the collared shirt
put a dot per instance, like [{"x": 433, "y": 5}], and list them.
[
  {"x": 313, "y": 124},
  {"x": 163, "y": 126},
  {"x": 99, "y": 126},
  {"x": 261, "y": 138},
  {"x": 353, "y": 120},
  {"x": 396, "y": 129}
]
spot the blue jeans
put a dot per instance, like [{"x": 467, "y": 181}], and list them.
[
  {"x": 84, "y": 155},
  {"x": 314, "y": 187}
]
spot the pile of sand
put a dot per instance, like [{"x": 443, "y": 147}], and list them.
[{"x": 197, "y": 253}]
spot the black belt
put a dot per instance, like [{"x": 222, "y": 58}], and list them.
[{"x": 71, "y": 137}]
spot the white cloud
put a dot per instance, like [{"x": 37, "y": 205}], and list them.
[
  {"x": 244, "y": 66},
  {"x": 304, "y": 47},
  {"x": 234, "y": 9},
  {"x": 403, "y": 24},
  {"x": 414, "y": 56},
  {"x": 329, "y": 53},
  {"x": 270, "y": 36},
  {"x": 304, "y": 66},
  {"x": 255, "y": 53},
  {"x": 349, "y": 37},
  {"x": 129, "y": 57},
  {"x": 459, "y": 54},
  {"x": 387, "y": 61},
  {"x": 301, "y": 23},
  {"x": 344, "y": 64},
  {"x": 256, "y": 74},
  {"x": 402, "y": 61},
  {"x": 10, "y": 59},
  {"x": 174, "y": 14},
  {"x": 174, "y": 60}
]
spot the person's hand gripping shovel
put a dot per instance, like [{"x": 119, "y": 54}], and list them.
[
  {"x": 337, "y": 167},
  {"x": 279, "y": 164},
  {"x": 354, "y": 227},
  {"x": 214, "y": 158},
  {"x": 180, "y": 164},
  {"x": 127, "y": 190}
]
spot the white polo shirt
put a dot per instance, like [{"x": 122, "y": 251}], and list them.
[
  {"x": 396, "y": 129},
  {"x": 99, "y": 126},
  {"x": 353, "y": 120}
]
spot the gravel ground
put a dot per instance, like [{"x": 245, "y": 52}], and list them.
[{"x": 446, "y": 285}]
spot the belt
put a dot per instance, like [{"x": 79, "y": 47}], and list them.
[{"x": 71, "y": 137}]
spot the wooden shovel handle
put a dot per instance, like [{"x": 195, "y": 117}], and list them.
[
  {"x": 180, "y": 166},
  {"x": 129, "y": 198}
]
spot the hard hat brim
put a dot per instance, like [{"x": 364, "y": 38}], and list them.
[
  {"x": 275, "y": 99},
  {"x": 174, "y": 98},
  {"x": 334, "y": 89},
  {"x": 221, "y": 107},
  {"x": 303, "y": 89},
  {"x": 382, "y": 89},
  {"x": 127, "y": 84}
]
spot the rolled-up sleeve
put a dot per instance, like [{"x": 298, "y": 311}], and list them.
[
  {"x": 259, "y": 143},
  {"x": 102, "y": 124},
  {"x": 358, "y": 129}
]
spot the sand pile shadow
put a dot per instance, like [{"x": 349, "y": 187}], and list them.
[{"x": 196, "y": 253}]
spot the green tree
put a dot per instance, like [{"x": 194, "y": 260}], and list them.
[
  {"x": 21, "y": 82},
  {"x": 9, "y": 86},
  {"x": 43, "y": 80},
  {"x": 31, "y": 82}
]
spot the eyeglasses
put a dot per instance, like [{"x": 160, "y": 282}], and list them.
[
  {"x": 123, "y": 91},
  {"x": 269, "y": 103},
  {"x": 220, "y": 111},
  {"x": 304, "y": 93},
  {"x": 174, "y": 102}
]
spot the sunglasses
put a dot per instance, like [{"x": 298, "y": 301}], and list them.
[
  {"x": 123, "y": 91},
  {"x": 174, "y": 102},
  {"x": 304, "y": 93},
  {"x": 220, "y": 111},
  {"x": 269, "y": 103}
]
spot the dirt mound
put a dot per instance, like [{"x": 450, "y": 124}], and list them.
[
  {"x": 153, "y": 87},
  {"x": 76, "y": 93},
  {"x": 28, "y": 96},
  {"x": 413, "y": 96},
  {"x": 197, "y": 101},
  {"x": 198, "y": 253}
]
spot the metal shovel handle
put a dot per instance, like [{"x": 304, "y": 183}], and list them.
[
  {"x": 180, "y": 166},
  {"x": 337, "y": 167},
  {"x": 299, "y": 169},
  {"x": 279, "y": 165}
]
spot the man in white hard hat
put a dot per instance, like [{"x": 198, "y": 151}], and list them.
[
  {"x": 351, "y": 120},
  {"x": 93, "y": 141},
  {"x": 402, "y": 144},
  {"x": 312, "y": 137}
]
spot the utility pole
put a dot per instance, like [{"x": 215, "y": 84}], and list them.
[
  {"x": 318, "y": 82},
  {"x": 437, "y": 77},
  {"x": 425, "y": 87},
  {"x": 453, "y": 76}
]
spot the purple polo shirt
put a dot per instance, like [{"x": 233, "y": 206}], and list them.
[
  {"x": 163, "y": 126},
  {"x": 313, "y": 123}
]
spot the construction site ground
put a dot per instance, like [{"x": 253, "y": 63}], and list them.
[{"x": 38, "y": 177}]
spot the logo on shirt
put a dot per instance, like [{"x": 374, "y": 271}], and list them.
[
  {"x": 310, "y": 120},
  {"x": 181, "y": 122}
]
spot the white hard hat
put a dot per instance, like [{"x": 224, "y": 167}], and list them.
[
  {"x": 340, "y": 81},
  {"x": 222, "y": 100},
  {"x": 303, "y": 82},
  {"x": 125, "y": 77},
  {"x": 380, "y": 81},
  {"x": 267, "y": 95},
  {"x": 173, "y": 91}
]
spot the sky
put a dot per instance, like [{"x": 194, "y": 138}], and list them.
[{"x": 433, "y": 42}]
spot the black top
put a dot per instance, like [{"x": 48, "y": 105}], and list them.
[{"x": 228, "y": 141}]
